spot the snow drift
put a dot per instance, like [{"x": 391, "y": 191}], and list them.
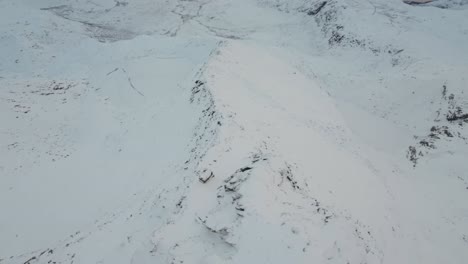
[{"x": 247, "y": 131}]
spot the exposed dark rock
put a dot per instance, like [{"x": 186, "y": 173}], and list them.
[
  {"x": 455, "y": 119},
  {"x": 317, "y": 8}
]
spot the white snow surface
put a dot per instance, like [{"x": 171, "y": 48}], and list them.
[{"x": 247, "y": 131}]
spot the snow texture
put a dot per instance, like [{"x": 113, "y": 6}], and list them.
[{"x": 248, "y": 131}]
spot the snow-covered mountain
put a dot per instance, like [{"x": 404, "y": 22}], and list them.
[{"x": 247, "y": 131}]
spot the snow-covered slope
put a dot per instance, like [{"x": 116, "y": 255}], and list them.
[{"x": 249, "y": 131}]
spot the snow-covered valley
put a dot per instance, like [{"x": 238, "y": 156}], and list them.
[{"x": 248, "y": 131}]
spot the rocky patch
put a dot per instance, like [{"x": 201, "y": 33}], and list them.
[{"x": 449, "y": 124}]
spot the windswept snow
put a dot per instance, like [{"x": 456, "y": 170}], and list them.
[{"x": 250, "y": 131}]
